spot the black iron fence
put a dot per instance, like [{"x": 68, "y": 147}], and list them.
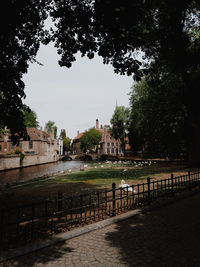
[{"x": 40, "y": 220}]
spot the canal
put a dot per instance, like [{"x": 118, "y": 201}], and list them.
[{"x": 25, "y": 174}]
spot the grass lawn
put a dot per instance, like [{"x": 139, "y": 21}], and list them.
[{"x": 96, "y": 177}]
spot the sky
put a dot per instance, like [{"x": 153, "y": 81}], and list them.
[{"x": 74, "y": 98}]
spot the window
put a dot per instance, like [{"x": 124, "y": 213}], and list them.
[
  {"x": 112, "y": 150},
  {"x": 116, "y": 144},
  {"x": 12, "y": 146},
  {"x": 112, "y": 144},
  {"x": 108, "y": 150},
  {"x": 108, "y": 144},
  {"x": 117, "y": 151},
  {"x": 20, "y": 145},
  {"x": 30, "y": 144}
]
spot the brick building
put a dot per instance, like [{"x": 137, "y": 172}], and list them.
[
  {"x": 108, "y": 145},
  {"x": 40, "y": 148}
]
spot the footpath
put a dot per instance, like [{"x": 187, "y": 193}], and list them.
[{"x": 166, "y": 235}]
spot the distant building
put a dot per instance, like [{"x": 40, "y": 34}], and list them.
[
  {"x": 108, "y": 145},
  {"x": 60, "y": 145},
  {"x": 76, "y": 143},
  {"x": 41, "y": 148}
]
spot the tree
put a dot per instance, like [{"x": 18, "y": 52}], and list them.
[
  {"x": 30, "y": 119},
  {"x": 158, "y": 121},
  {"x": 118, "y": 29},
  {"x": 63, "y": 133},
  {"x": 90, "y": 140},
  {"x": 66, "y": 144},
  {"x": 119, "y": 124},
  {"x": 51, "y": 127},
  {"x": 66, "y": 140},
  {"x": 21, "y": 31},
  {"x": 2, "y": 129},
  {"x": 55, "y": 129}
]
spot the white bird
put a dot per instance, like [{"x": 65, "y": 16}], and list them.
[
  {"x": 124, "y": 186},
  {"x": 69, "y": 170},
  {"x": 85, "y": 166}
]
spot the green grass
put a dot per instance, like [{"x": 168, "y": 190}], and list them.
[
  {"x": 98, "y": 176},
  {"x": 106, "y": 176},
  {"x": 81, "y": 182}
]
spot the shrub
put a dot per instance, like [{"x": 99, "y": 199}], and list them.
[{"x": 17, "y": 151}]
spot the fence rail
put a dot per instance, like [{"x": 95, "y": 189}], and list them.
[{"x": 39, "y": 220}]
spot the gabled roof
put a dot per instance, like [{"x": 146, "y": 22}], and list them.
[
  {"x": 37, "y": 135},
  {"x": 79, "y": 136}
]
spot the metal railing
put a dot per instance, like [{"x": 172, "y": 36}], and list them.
[{"x": 23, "y": 224}]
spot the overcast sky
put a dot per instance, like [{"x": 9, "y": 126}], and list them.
[{"x": 74, "y": 98}]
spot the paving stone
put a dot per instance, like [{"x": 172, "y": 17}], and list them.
[{"x": 165, "y": 236}]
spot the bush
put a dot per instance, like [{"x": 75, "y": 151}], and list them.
[
  {"x": 17, "y": 151},
  {"x": 21, "y": 157}
]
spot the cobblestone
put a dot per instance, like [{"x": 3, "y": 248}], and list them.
[{"x": 164, "y": 236}]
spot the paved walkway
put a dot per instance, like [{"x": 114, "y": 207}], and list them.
[{"x": 165, "y": 236}]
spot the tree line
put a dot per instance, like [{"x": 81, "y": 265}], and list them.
[{"x": 155, "y": 122}]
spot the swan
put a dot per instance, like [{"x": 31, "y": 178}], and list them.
[{"x": 124, "y": 186}]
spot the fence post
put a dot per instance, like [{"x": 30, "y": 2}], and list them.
[
  {"x": 60, "y": 201},
  {"x": 106, "y": 206},
  {"x": 1, "y": 226},
  {"x": 32, "y": 221},
  {"x": 189, "y": 180},
  {"x": 149, "y": 190},
  {"x": 113, "y": 198},
  {"x": 90, "y": 205},
  {"x": 98, "y": 200},
  {"x": 172, "y": 183},
  {"x": 71, "y": 207},
  {"x": 18, "y": 222},
  {"x": 46, "y": 212},
  {"x": 81, "y": 207}
]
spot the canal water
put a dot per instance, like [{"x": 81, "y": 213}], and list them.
[{"x": 27, "y": 173}]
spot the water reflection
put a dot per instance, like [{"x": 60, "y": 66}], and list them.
[{"x": 28, "y": 173}]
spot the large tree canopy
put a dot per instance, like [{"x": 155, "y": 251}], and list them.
[
  {"x": 20, "y": 33},
  {"x": 118, "y": 29},
  {"x": 158, "y": 119},
  {"x": 166, "y": 31}
]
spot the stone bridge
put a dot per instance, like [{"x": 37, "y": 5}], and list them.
[{"x": 89, "y": 156}]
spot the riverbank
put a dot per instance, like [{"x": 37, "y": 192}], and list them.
[
  {"x": 40, "y": 171},
  {"x": 96, "y": 176}
]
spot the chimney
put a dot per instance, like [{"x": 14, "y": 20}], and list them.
[
  {"x": 101, "y": 126},
  {"x": 97, "y": 124},
  {"x": 77, "y": 132}
]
